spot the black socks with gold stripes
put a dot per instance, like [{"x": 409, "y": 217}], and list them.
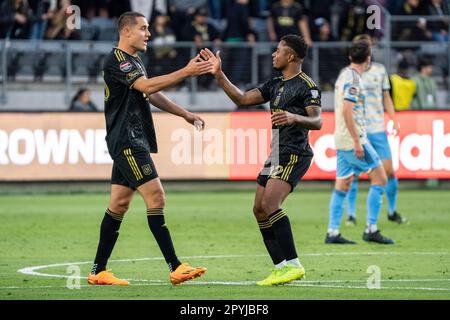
[
  {"x": 283, "y": 233},
  {"x": 270, "y": 242},
  {"x": 109, "y": 232},
  {"x": 155, "y": 217}
]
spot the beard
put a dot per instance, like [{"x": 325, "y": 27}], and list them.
[{"x": 278, "y": 68}]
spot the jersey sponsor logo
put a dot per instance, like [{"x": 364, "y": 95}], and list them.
[
  {"x": 147, "y": 169},
  {"x": 132, "y": 75},
  {"x": 125, "y": 66},
  {"x": 353, "y": 91},
  {"x": 315, "y": 94}
]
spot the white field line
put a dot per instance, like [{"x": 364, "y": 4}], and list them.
[{"x": 304, "y": 283}]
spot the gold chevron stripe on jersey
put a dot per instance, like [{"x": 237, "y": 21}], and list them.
[
  {"x": 133, "y": 164},
  {"x": 289, "y": 167},
  {"x": 119, "y": 55},
  {"x": 308, "y": 80}
]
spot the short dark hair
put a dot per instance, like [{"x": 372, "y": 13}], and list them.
[
  {"x": 362, "y": 37},
  {"x": 359, "y": 51},
  {"x": 424, "y": 61},
  {"x": 403, "y": 64},
  {"x": 296, "y": 43},
  {"x": 128, "y": 19}
]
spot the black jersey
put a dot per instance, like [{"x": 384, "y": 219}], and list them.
[
  {"x": 293, "y": 96},
  {"x": 286, "y": 19},
  {"x": 129, "y": 122}
]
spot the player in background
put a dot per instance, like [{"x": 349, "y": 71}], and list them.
[
  {"x": 131, "y": 138},
  {"x": 296, "y": 108},
  {"x": 355, "y": 155},
  {"x": 376, "y": 99}
]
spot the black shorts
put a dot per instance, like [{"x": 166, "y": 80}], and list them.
[
  {"x": 290, "y": 168},
  {"x": 133, "y": 168}
]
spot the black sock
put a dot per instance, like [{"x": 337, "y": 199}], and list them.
[
  {"x": 283, "y": 233},
  {"x": 109, "y": 232},
  {"x": 156, "y": 223},
  {"x": 271, "y": 243}
]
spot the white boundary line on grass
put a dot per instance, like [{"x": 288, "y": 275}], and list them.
[{"x": 304, "y": 283}]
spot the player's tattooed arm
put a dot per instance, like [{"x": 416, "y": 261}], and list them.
[
  {"x": 249, "y": 98},
  {"x": 312, "y": 122}
]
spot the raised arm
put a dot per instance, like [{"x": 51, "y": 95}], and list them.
[
  {"x": 149, "y": 86},
  {"x": 249, "y": 98}
]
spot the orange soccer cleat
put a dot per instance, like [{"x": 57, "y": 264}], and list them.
[
  {"x": 185, "y": 272},
  {"x": 106, "y": 278}
]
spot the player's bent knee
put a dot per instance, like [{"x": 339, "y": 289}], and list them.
[
  {"x": 379, "y": 180},
  {"x": 259, "y": 213},
  {"x": 119, "y": 207},
  {"x": 269, "y": 206},
  {"x": 343, "y": 184},
  {"x": 158, "y": 199}
]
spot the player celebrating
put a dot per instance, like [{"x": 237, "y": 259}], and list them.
[
  {"x": 376, "y": 93},
  {"x": 295, "y": 107},
  {"x": 355, "y": 155},
  {"x": 131, "y": 138}
]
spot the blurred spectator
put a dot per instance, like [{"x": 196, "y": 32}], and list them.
[
  {"x": 89, "y": 8},
  {"x": 181, "y": 12},
  {"x": 329, "y": 57},
  {"x": 150, "y": 8},
  {"x": 217, "y": 9},
  {"x": 81, "y": 102},
  {"x": 14, "y": 15},
  {"x": 238, "y": 31},
  {"x": 162, "y": 54},
  {"x": 403, "y": 87},
  {"x": 201, "y": 31},
  {"x": 259, "y": 12},
  {"x": 415, "y": 30},
  {"x": 439, "y": 29},
  {"x": 286, "y": 17},
  {"x": 57, "y": 28},
  {"x": 426, "y": 87},
  {"x": 102, "y": 20},
  {"x": 352, "y": 20},
  {"x": 117, "y": 7},
  {"x": 41, "y": 14},
  {"x": 318, "y": 9}
]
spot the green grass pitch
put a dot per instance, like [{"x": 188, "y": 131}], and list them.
[{"x": 54, "y": 235}]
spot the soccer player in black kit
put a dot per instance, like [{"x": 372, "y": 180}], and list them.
[
  {"x": 296, "y": 108},
  {"x": 131, "y": 138}
]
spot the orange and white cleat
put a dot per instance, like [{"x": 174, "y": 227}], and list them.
[
  {"x": 106, "y": 278},
  {"x": 185, "y": 272}
]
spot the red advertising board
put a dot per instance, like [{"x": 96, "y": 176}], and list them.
[
  {"x": 71, "y": 146},
  {"x": 420, "y": 151}
]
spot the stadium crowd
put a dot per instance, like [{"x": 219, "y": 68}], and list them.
[
  {"x": 226, "y": 20},
  {"x": 232, "y": 21}
]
